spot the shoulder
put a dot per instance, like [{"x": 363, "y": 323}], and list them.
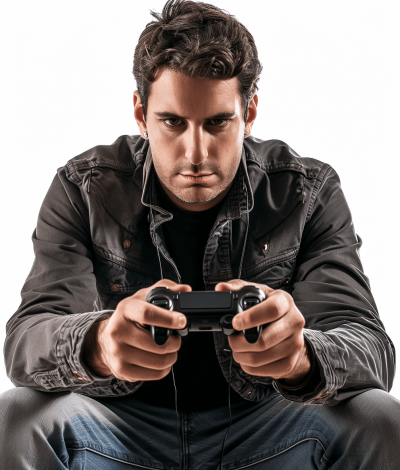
[
  {"x": 124, "y": 155},
  {"x": 274, "y": 155}
]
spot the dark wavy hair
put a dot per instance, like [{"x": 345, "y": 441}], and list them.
[{"x": 199, "y": 40}]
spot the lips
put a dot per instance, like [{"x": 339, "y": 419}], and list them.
[{"x": 196, "y": 176}]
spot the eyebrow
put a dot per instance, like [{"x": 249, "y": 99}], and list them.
[{"x": 223, "y": 115}]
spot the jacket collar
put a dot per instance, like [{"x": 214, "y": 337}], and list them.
[{"x": 238, "y": 201}]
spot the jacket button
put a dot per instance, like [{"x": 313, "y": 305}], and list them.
[
  {"x": 284, "y": 281},
  {"x": 265, "y": 247},
  {"x": 115, "y": 287},
  {"x": 79, "y": 376},
  {"x": 127, "y": 244}
]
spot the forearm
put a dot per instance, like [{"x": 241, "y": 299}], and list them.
[
  {"x": 349, "y": 360},
  {"x": 49, "y": 357},
  {"x": 92, "y": 352}
]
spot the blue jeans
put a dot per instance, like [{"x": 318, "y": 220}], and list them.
[{"x": 54, "y": 431}]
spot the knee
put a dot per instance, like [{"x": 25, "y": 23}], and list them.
[
  {"x": 377, "y": 413},
  {"x": 22, "y": 406}
]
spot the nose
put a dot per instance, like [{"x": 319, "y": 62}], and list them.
[{"x": 196, "y": 151}]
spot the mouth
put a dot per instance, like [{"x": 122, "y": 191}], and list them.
[{"x": 200, "y": 177}]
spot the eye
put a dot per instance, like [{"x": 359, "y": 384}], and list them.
[
  {"x": 173, "y": 122},
  {"x": 218, "y": 122}
]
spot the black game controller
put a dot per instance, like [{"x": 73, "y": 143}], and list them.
[{"x": 205, "y": 310}]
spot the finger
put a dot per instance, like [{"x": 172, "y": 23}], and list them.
[
  {"x": 285, "y": 348},
  {"x": 142, "y": 293},
  {"x": 138, "y": 336},
  {"x": 270, "y": 335},
  {"x": 237, "y": 284},
  {"x": 277, "y": 370},
  {"x": 149, "y": 360},
  {"x": 272, "y": 308},
  {"x": 149, "y": 314}
]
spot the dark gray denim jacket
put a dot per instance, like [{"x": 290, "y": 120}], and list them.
[{"x": 95, "y": 243}]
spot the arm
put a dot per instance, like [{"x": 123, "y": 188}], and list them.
[
  {"x": 45, "y": 336},
  {"x": 352, "y": 350}
]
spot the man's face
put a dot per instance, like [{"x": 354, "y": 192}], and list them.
[{"x": 196, "y": 130}]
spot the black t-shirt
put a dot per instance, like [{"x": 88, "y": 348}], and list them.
[{"x": 199, "y": 380}]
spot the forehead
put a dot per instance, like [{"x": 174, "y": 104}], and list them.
[{"x": 179, "y": 93}]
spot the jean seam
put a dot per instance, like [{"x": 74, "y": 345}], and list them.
[
  {"x": 113, "y": 458},
  {"x": 281, "y": 452}
]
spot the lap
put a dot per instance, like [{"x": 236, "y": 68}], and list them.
[{"x": 274, "y": 433}]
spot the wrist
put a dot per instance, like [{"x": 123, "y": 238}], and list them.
[
  {"x": 302, "y": 370},
  {"x": 92, "y": 351}
]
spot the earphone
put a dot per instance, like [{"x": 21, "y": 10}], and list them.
[{"x": 225, "y": 350}]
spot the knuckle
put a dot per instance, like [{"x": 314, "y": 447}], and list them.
[
  {"x": 282, "y": 302},
  {"x": 118, "y": 368},
  {"x": 164, "y": 283},
  {"x": 172, "y": 359},
  {"x": 299, "y": 342},
  {"x": 160, "y": 374},
  {"x": 299, "y": 320},
  {"x": 290, "y": 364},
  {"x": 262, "y": 343},
  {"x": 174, "y": 343},
  {"x": 124, "y": 303},
  {"x": 292, "y": 342},
  {"x": 114, "y": 351},
  {"x": 256, "y": 360},
  {"x": 275, "y": 305},
  {"x": 287, "y": 369},
  {"x": 148, "y": 316},
  {"x": 288, "y": 298},
  {"x": 114, "y": 334},
  {"x": 167, "y": 360}
]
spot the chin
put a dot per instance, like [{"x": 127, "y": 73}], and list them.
[{"x": 197, "y": 197}]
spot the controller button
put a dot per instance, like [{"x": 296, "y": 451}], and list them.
[
  {"x": 235, "y": 296},
  {"x": 248, "y": 303},
  {"x": 175, "y": 297},
  {"x": 161, "y": 303}
]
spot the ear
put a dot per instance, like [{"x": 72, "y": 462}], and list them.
[
  {"x": 251, "y": 114},
  {"x": 138, "y": 112}
]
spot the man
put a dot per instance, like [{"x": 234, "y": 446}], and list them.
[{"x": 196, "y": 203}]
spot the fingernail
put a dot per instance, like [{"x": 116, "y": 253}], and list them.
[
  {"x": 238, "y": 324},
  {"x": 182, "y": 321}
]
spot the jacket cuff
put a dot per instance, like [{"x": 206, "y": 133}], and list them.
[
  {"x": 70, "y": 347},
  {"x": 318, "y": 384}
]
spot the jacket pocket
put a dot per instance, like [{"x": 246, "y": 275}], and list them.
[
  {"x": 114, "y": 278},
  {"x": 276, "y": 276}
]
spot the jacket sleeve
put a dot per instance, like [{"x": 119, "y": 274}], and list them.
[
  {"x": 45, "y": 336},
  {"x": 352, "y": 351}
]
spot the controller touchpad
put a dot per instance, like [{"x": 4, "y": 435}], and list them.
[{"x": 205, "y": 300}]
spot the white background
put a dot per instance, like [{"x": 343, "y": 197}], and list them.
[{"x": 329, "y": 88}]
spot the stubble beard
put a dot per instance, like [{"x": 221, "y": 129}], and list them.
[
  {"x": 193, "y": 200},
  {"x": 199, "y": 201}
]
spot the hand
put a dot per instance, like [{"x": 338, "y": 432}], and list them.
[
  {"x": 280, "y": 351},
  {"x": 121, "y": 346}
]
